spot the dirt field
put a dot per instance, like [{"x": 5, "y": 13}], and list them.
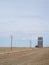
[{"x": 24, "y": 56}]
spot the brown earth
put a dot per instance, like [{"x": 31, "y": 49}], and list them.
[{"x": 24, "y": 56}]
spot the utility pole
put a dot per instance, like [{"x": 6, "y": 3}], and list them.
[
  {"x": 30, "y": 43},
  {"x": 11, "y": 41}
]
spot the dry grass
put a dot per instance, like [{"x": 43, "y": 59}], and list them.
[
  {"x": 8, "y": 50},
  {"x": 24, "y": 56}
]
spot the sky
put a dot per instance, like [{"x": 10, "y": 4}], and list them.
[{"x": 25, "y": 20}]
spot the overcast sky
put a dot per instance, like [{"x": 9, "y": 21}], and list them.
[{"x": 26, "y": 19}]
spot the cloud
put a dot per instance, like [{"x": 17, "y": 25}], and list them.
[
  {"x": 23, "y": 18},
  {"x": 25, "y": 25}
]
